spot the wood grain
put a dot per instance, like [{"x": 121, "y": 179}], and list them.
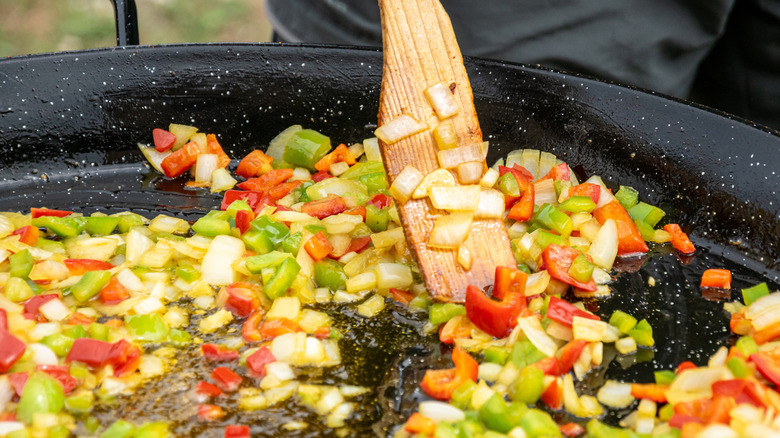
[{"x": 420, "y": 50}]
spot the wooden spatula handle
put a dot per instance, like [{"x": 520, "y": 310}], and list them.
[{"x": 420, "y": 50}]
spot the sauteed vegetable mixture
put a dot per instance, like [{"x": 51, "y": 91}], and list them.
[{"x": 95, "y": 307}]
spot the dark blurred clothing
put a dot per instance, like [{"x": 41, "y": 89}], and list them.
[{"x": 659, "y": 44}]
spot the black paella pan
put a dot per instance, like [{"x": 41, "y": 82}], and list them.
[{"x": 69, "y": 124}]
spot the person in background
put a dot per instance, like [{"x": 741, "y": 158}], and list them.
[{"x": 721, "y": 53}]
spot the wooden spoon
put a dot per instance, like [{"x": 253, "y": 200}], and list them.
[{"x": 420, "y": 50}]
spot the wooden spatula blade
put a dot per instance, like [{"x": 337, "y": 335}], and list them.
[{"x": 420, "y": 50}]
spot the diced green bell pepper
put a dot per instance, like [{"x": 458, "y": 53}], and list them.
[
  {"x": 75, "y": 332},
  {"x": 92, "y": 424},
  {"x": 21, "y": 263},
  {"x": 265, "y": 235},
  {"x": 282, "y": 279},
  {"x": 80, "y": 403},
  {"x": 646, "y": 212},
  {"x": 127, "y": 221},
  {"x": 59, "y": 343},
  {"x": 664, "y": 377},
  {"x": 544, "y": 238},
  {"x": 330, "y": 273},
  {"x": 101, "y": 225},
  {"x": 551, "y": 218},
  {"x": 305, "y": 148},
  {"x": 642, "y": 334},
  {"x": 119, "y": 429},
  {"x": 746, "y": 345},
  {"x": 581, "y": 269},
  {"x": 187, "y": 272},
  {"x": 597, "y": 429},
  {"x": 58, "y": 431},
  {"x": 738, "y": 367},
  {"x": 439, "y": 313},
  {"x": 524, "y": 268},
  {"x": 528, "y": 386},
  {"x": 361, "y": 169},
  {"x": 41, "y": 394},
  {"x": 51, "y": 245},
  {"x": 461, "y": 396},
  {"x": 497, "y": 355},
  {"x": 374, "y": 182},
  {"x": 507, "y": 184},
  {"x": 496, "y": 415},
  {"x": 292, "y": 243},
  {"x": 17, "y": 290},
  {"x": 156, "y": 429},
  {"x": 90, "y": 284},
  {"x": 445, "y": 430},
  {"x": 238, "y": 204},
  {"x": 537, "y": 423},
  {"x": 578, "y": 204},
  {"x": 524, "y": 353},
  {"x": 377, "y": 218},
  {"x": 213, "y": 224},
  {"x": 627, "y": 197},
  {"x": 300, "y": 192},
  {"x": 622, "y": 321},
  {"x": 179, "y": 337},
  {"x": 98, "y": 331},
  {"x": 256, "y": 264},
  {"x": 150, "y": 328},
  {"x": 751, "y": 294},
  {"x": 645, "y": 230},
  {"x": 62, "y": 226}
]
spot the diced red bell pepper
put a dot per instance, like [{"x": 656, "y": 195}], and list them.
[
  {"x": 113, "y": 292},
  {"x": 552, "y": 396},
  {"x": 318, "y": 246},
  {"x": 592, "y": 191},
  {"x": 557, "y": 260},
  {"x": 325, "y": 207},
  {"x": 458, "y": 326},
  {"x": 380, "y": 201},
  {"x": 213, "y": 147},
  {"x": 82, "y": 266},
  {"x": 62, "y": 375},
  {"x": 254, "y": 164},
  {"x": 252, "y": 198},
  {"x": 550, "y": 366},
  {"x": 686, "y": 365},
  {"x": 242, "y": 299},
  {"x": 766, "y": 334},
  {"x": 629, "y": 239},
  {"x": 122, "y": 355},
  {"x": 218, "y": 354},
  {"x": 359, "y": 244},
  {"x": 163, "y": 140},
  {"x": 280, "y": 191},
  {"x": 497, "y": 318},
  {"x": 322, "y": 332},
  {"x": 768, "y": 366},
  {"x": 357, "y": 211},
  {"x": 250, "y": 330},
  {"x": 78, "y": 318},
  {"x": 718, "y": 278},
  {"x": 274, "y": 327},
  {"x": 38, "y": 212},
  {"x": 572, "y": 430},
  {"x": 680, "y": 240},
  {"x": 569, "y": 354},
  {"x": 319, "y": 176},
  {"x": 226, "y": 379},
  {"x": 33, "y": 304},
  {"x": 257, "y": 361},
  {"x": 741, "y": 390},
  {"x": 523, "y": 209},
  {"x": 440, "y": 384},
  {"x": 11, "y": 349},
  {"x": 420, "y": 424},
  {"x": 18, "y": 380},
  {"x": 339, "y": 155},
  {"x": 3, "y": 320},
  {"x": 679, "y": 420},
  {"x": 266, "y": 181},
  {"x": 207, "y": 389},
  {"x": 563, "y": 312},
  {"x": 237, "y": 431},
  {"x": 27, "y": 234},
  {"x": 210, "y": 412},
  {"x": 181, "y": 160},
  {"x": 244, "y": 220},
  {"x": 650, "y": 391},
  {"x": 402, "y": 296},
  {"x": 558, "y": 173}
]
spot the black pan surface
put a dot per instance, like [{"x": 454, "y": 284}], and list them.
[{"x": 69, "y": 124}]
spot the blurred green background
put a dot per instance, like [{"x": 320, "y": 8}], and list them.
[{"x": 38, "y": 26}]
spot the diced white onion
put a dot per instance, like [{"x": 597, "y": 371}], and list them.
[
  {"x": 337, "y": 169},
  {"x": 696, "y": 383},
  {"x": 450, "y": 231},
  {"x": 341, "y": 223},
  {"x": 458, "y": 198},
  {"x": 130, "y": 281},
  {"x": 206, "y": 164},
  {"x": 404, "y": 184},
  {"x": 216, "y": 320},
  {"x": 43, "y": 329},
  {"x": 372, "y": 306},
  {"x": 489, "y": 371},
  {"x": 591, "y": 330},
  {"x": 54, "y": 310},
  {"x": 544, "y": 192},
  {"x": 285, "y": 307},
  {"x": 97, "y": 248},
  {"x": 536, "y": 283},
  {"x": 464, "y": 257},
  {"x": 356, "y": 150},
  {"x": 533, "y": 330},
  {"x": 470, "y": 172},
  {"x": 361, "y": 282},
  {"x": 437, "y": 178},
  {"x": 169, "y": 224},
  {"x": 490, "y": 178},
  {"x": 6, "y": 427},
  {"x": 491, "y": 204},
  {"x": 217, "y": 264},
  {"x": 441, "y": 98},
  {"x": 42, "y": 355},
  {"x": 291, "y": 216},
  {"x": 387, "y": 238},
  {"x": 615, "y": 394},
  {"x": 393, "y": 275},
  {"x": 280, "y": 370},
  {"x": 149, "y": 305},
  {"x": 155, "y": 158},
  {"x": 6, "y": 394},
  {"x": 136, "y": 245},
  {"x": 605, "y": 197},
  {"x": 49, "y": 270},
  {"x": 151, "y": 366},
  {"x": 221, "y": 180},
  {"x": 440, "y": 411},
  {"x": 399, "y": 128},
  {"x": 371, "y": 147},
  {"x": 450, "y": 158},
  {"x": 625, "y": 345},
  {"x": 604, "y": 247},
  {"x": 314, "y": 352}
]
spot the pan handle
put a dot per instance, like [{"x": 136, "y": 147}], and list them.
[{"x": 126, "y": 19}]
